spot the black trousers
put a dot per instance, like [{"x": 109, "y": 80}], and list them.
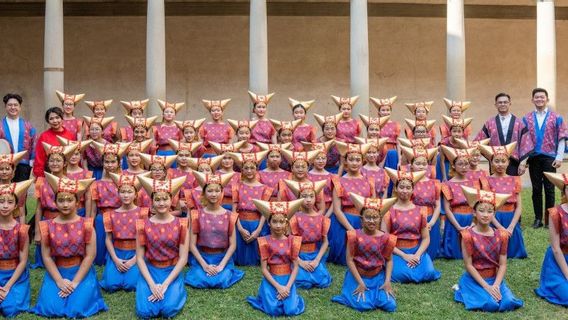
[
  {"x": 22, "y": 172},
  {"x": 537, "y": 166}
]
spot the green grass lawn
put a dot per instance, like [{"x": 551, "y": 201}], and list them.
[{"x": 424, "y": 301}]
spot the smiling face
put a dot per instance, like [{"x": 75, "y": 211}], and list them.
[
  {"x": 7, "y": 205},
  {"x": 243, "y": 134},
  {"x": 421, "y": 113},
  {"x": 213, "y": 193},
  {"x": 420, "y": 132},
  {"x": 189, "y": 134},
  {"x": 285, "y": 136},
  {"x": 68, "y": 107},
  {"x": 503, "y": 104},
  {"x": 95, "y": 131},
  {"x": 346, "y": 110},
  {"x": 110, "y": 162},
  {"x": 456, "y": 132},
  {"x": 260, "y": 110},
  {"x": 300, "y": 169},
  {"x": 140, "y": 133},
  {"x": 540, "y": 99},
  {"x": 99, "y": 111},
  {"x": 136, "y": 113},
  {"x": 385, "y": 111},
  {"x": 419, "y": 163},
  {"x": 278, "y": 225},
  {"x": 455, "y": 112},
  {"x": 169, "y": 114},
  {"x": 309, "y": 197},
  {"x": 353, "y": 162},
  {"x": 374, "y": 131},
  {"x": 54, "y": 121},
  {"x": 404, "y": 189},
  {"x": 157, "y": 171},
  {"x": 372, "y": 155},
  {"x": 161, "y": 202},
  {"x": 6, "y": 172},
  {"x": 216, "y": 113},
  {"x": 484, "y": 213},
  {"x": 204, "y": 168},
  {"x": 133, "y": 158},
  {"x": 249, "y": 170},
  {"x": 329, "y": 131},
  {"x": 183, "y": 158},
  {"x": 127, "y": 194},
  {"x": 227, "y": 163},
  {"x": 75, "y": 158},
  {"x": 461, "y": 165},
  {"x": 13, "y": 108},
  {"x": 66, "y": 203},
  {"x": 320, "y": 161},
  {"x": 499, "y": 163},
  {"x": 55, "y": 163},
  {"x": 371, "y": 220}
]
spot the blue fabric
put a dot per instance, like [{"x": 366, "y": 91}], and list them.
[
  {"x": 338, "y": 238},
  {"x": 247, "y": 253},
  {"x": 435, "y": 239},
  {"x": 18, "y": 299},
  {"x": 97, "y": 171},
  {"x": 333, "y": 169},
  {"x": 451, "y": 243},
  {"x": 21, "y": 134},
  {"x": 516, "y": 248},
  {"x": 319, "y": 278},
  {"x": 375, "y": 297},
  {"x": 124, "y": 163},
  {"x": 114, "y": 280},
  {"x": 227, "y": 206},
  {"x": 196, "y": 277},
  {"x": 100, "y": 258},
  {"x": 208, "y": 155},
  {"x": 474, "y": 297},
  {"x": 85, "y": 301},
  {"x": 167, "y": 153},
  {"x": 423, "y": 272},
  {"x": 391, "y": 159},
  {"x": 553, "y": 285},
  {"x": 267, "y": 302},
  {"x": 439, "y": 168},
  {"x": 174, "y": 298},
  {"x": 38, "y": 259},
  {"x": 262, "y": 165},
  {"x": 81, "y": 212}
]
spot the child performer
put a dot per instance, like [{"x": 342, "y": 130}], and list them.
[
  {"x": 68, "y": 104},
  {"x": 374, "y": 126},
  {"x": 140, "y": 131},
  {"x": 554, "y": 273},
  {"x": 212, "y": 238},
  {"x": 367, "y": 283},
  {"x": 215, "y": 130},
  {"x": 162, "y": 248},
  {"x": 407, "y": 221},
  {"x": 456, "y": 130},
  {"x": 134, "y": 109},
  {"x": 75, "y": 172},
  {"x": 8, "y": 163},
  {"x": 318, "y": 172},
  {"x": 390, "y": 130},
  {"x": 508, "y": 217},
  {"x": 475, "y": 173},
  {"x": 133, "y": 159},
  {"x": 313, "y": 228},
  {"x": 189, "y": 130},
  {"x": 264, "y": 130},
  {"x": 284, "y": 133},
  {"x": 158, "y": 167},
  {"x": 243, "y": 130},
  {"x": 192, "y": 197},
  {"x": 94, "y": 159},
  {"x": 14, "y": 272},
  {"x": 371, "y": 170},
  {"x": 300, "y": 162},
  {"x": 227, "y": 167},
  {"x": 183, "y": 151},
  {"x": 347, "y": 127},
  {"x": 456, "y": 110},
  {"x": 99, "y": 108},
  {"x": 120, "y": 271},
  {"x": 420, "y": 110},
  {"x": 69, "y": 288},
  {"x": 273, "y": 173},
  {"x": 303, "y": 132},
  {"x": 482, "y": 287},
  {"x": 328, "y": 126},
  {"x": 167, "y": 129},
  {"x": 277, "y": 295}
]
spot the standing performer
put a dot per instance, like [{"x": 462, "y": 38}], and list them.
[
  {"x": 284, "y": 134},
  {"x": 264, "y": 130},
  {"x": 140, "y": 131},
  {"x": 328, "y": 126},
  {"x": 374, "y": 126},
  {"x": 303, "y": 132},
  {"x": 456, "y": 110},
  {"x": 167, "y": 129},
  {"x": 75, "y": 172},
  {"x": 99, "y": 109},
  {"x": 68, "y": 104},
  {"x": 93, "y": 158},
  {"x": 134, "y": 109},
  {"x": 456, "y": 129},
  {"x": 8, "y": 164},
  {"x": 189, "y": 130},
  {"x": 371, "y": 170},
  {"x": 420, "y": 110},
  {"x": 475, "y": 173},
  {"x": 243, "y": 131},
  {"x": 215, "y": 130},
  {"x": 273, "y": 173},
  {"x": 227, "y": 167},
  {"x": 133, "y": 159},
  {"x": 158, "y": 167},
  {"x": 183, "y": 152},
  {"x": 391, "y": 129},
  {"x": 347, "y": 127},
  {"x": 318, "y": 172}
]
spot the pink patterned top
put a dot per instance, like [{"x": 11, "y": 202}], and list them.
[
  {"x": 348, "y": 130},
  {"x": 216, "y": 132},
  {"x": 127, "y": 134},
  {"x": 13, "y": 241},
  {"x": 305, "y": 132},
  {"x": 559, "y": 217},
  {"x": 45, "y": 194},
  {"x": 162, "y": 240},
  {"x": 370, "y": 252},
  {"x": 361, "y": 186},
  {"x": 93, "y": 157},
  {"x": 105, "y": 193},
  {"x": 271, "y": 179},
  {"x": 189, "y": 183},
  {"x": 476, "y": 175},
  {"x": 162, "y": 133},
  {"x": 123, "y": 224},
  {"x": 73, "y": 125},
  {"x": 213, "y": 230},
  {"x": 380, "y": 178},
  {"x": 452, "y": 192},
  {"x": 426, "y": 193},
  {"x": 312, "y": 229},
  {"x": 263, "y": 132},
  {"x": 506, "y": 184},
  {"x": 67, "y": 240},
  {"x": 328, "y": 189},
  {"x": 485, "y": 250},
  {"x": 277, "y": 252},
  {"x": 406, "y": 224},
  {"x": 243, "y": 195},
  {"x": 391, "y": 130}
]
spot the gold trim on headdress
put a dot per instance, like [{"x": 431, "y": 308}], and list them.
[
  {"x": 473, "y": 196},
  {"x": 379, "y": 204},
  {"x": 241, "y": 158},
  {"x": 464, "y": 105},
  {"x": 285, "y": 125},
  {"x": 93, "y": 104},
  {"x": 221, "y": 148},
  {"x": 236, "y": 124},
  {"x": 345, "y": 148},
  {"x": 318, "y": 146},
  {"x": 339, "y": 101},
  {"x": 453, "y": 153},
  {"x": 423, "y": 104},
  {"x": 560, "y": 180},
  {"x": 321, "y": 120},
  {"x": 149, "y": 159},
  {"x": 426, "y": 123},
  {"x": 411, "y": 153},
  {"x": 118, "y": 148},
  {"x": 297, "y": 187},
  {"x": 413, "y": 177},
  {"x": 461, "y": 122},
  {"x": 66, "y": 151},
  {"x": 286, "y": 208},
  {"x": 464, "y": 144},
  {"x": 213, "y": 162},
  {"x": 170, "y": 186},
  {"x": 134, "y": 104},
  {"x": 305, "y": 104},
  {"x": 73, "y": 97},
  {"x": 195, "y": 124},
  {"x": 293, "y": 156},
  {"x": 377, "y": 143},
  {"x": 414, "y": 143},
  {"x": 140, "y": 122},
  {"x": 179, "y": 146},
  {"x": 14, "y": 158},
  {"x": 127, "y": 180},
  {"x": 101, "y": 121},
  {"x": 174, "y": 105},
  {"x": 141, "y": 147},
  {"x": 260, "y": 98},
  {"x": 17, "y": 188},
  {"x": 82, "y": 145},
  {"x": 209, "y": 104},
  {"x": 489, "y": 152},
  {"x": 205, "y": 179},
  {"x": 274, "y": 146},
  {"x": 380, "y": 121},
  {"x": 77, "y": 187},
  {"x": 378, "y": 103}
]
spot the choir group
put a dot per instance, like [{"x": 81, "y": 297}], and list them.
[{"x": 145, "y": 200}]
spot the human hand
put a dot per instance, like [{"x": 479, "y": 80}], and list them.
[{"x": 359, "y": 292}]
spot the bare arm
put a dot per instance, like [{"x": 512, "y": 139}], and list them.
[
  {"x": 87, "y": 263},
  {"x": 435, "y": 214},
  {"x": 450, "y": 216},
  {"x": 20, "y": 267},
  {"x": 338, "y": 213}
]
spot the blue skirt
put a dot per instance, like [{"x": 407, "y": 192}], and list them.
[
  {"x": 338, "y": 238},
  {"x": 247, "y": 253},
  {"x": 375, "y": 298},
  {"x": 423, "y": 272},
  {"x": 18, "y": 299},
  {"x": 196, "y": 277},
  {"x": 474, "y": 297},
  {"x": 553, "y": 285},
  {"x": 114, "y": 280},
  {"x": 97, "y": 171},
  {"x": 439, "y": 168},
  {"x": 38, "y": 259},
  {"x": 451, "y": 244},
  {"x": 174, "y": 298},
  {"x": 85, "y": 301},
  {"x": 167, "y": 153},
  {"x": 100, "y": 258},
  {"x": 516, "y": 248},
  {"x": 267, "y": 302},
  {"x": 319, "y": 278},
  {"x": 435, "y": 239}
]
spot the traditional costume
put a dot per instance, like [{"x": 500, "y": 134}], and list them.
[
  {"x": 73, "y": 125},
  {"x": 93, "y": 157},
  {"x": 347, "y": 130},
  {"x": 333, "y": 156},
  {"x": 445, "y": 129},
  {"x": 110, "y": 132},
  {"x": 127, "y": 132},
  {"x": 163, "y": 132},
  {"x": 264, "y": 130},
  {"x": 220, "y": 132},
  {"x": 390, "y": 130}
]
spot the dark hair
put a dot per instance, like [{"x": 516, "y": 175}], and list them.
[
  {"x": 298, "y": 106},
  {"x": 56, "y": 110},
  {"x": 414, "y": 129},
  {"x": 502, "y": 94},
  {"x": 537, "y": 90},
  {"x": 46, "y": 166},
  {"x": 12, "y": 96}
]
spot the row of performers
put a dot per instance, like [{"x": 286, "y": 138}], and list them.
[{"x": 148, "y": 254}]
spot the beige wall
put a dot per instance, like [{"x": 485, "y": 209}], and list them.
[{"x": 207, "y": 57}]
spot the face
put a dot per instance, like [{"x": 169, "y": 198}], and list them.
[
  {"x": 385, "y": 111},
  {"x": 320, "y": 161},
  {"x": 127, "y": 194},
  {"x": 56, "y": 163},
  {"x": 484, "y": 213},
  {"x": 139, "y": 133},
  {"x": 243, "y": 134},
  {"x": 278, "y": 224},
  {"x": 54, "y": 121},
  {"x": 213, "y": 193},
  {"x": 204, "y": 168},
  {"x": 300, "y": 169},
  {"x": 95, "y": 131},
  {"x": 461, "y": 165},
  {"x": 421, "y": 113},
  {"x": 540, "y": 100},
  {"x": 374, "y": 131},
  {"x": 419, "y": 164},
  {"x": 216, "y": 113},
  {"x": 274, "y": 159},
  {"x": 227, "y": 163},
  {"x": 169, "y": 114},
  {"x": 404, "y": 189},
  {"x": 75, "y": 158},
  {"x": 7, "y": 204},
  {"x": 6, "y": 172},
  {"x": 110, "y": 163},
  {"x": 157, "y": 171},
  {"x": 299, "y": 113},
  {"x": 13, "y": 108},
  {"x": 474, "y": 159},
  {"x": 503, "y": 104},
  {"x": 133, "y": 158},
  {"x": 189, "y": 134},
  {"x": 285, "y": 136},
  {"x": 371, "y": 220},
  {"x": 329, "y": 131},
  {"x": 346, "y": 111},
  {"x": 66, "y": 203},
  {"x": 420, "y": 132},
  {"x": 249, "y": 170},
  {"x": 183, "y": 158},
  {"x": 309, "y": 197},
  {"x": 161, "y": 201},
  {"x": 68, "y": 106},
  {"x": 136, "y": 113},
  {"x": 260, "y": 110},
  {"x": 456, "y": 132},
  {"x": 455, "y": 112},
  {"x": 99, "y": 111},
  {"x": 354, "y": 162},
  {"x": 500, "y": 163},
  {"x": 372, "y": 155}
]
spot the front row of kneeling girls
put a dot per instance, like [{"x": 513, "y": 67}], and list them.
[{"x": 70, "y": 288}]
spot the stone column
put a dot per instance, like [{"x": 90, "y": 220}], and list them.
[
  {"x": 455, "y": 51},
  {"x": 359, "y": 55},
  {"x": 155, "y": 55},
  {"x": 546, "y": 48},
  {"x": 258, "y": 48},
  {"x": 53, "y": 53}
]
